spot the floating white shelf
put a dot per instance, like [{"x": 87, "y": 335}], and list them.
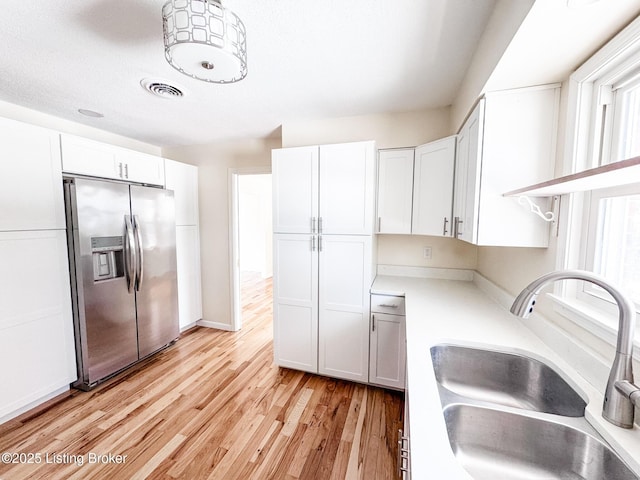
[{"x": 611, "y": 175}]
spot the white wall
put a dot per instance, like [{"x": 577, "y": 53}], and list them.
[
  {"x": 255, "y": 224},
  {"x": 214, "y": 162},
  {"x": 505, "y": 20},
  {"x": 389, "y": 130},
  {"x": 26, "y": 115}
]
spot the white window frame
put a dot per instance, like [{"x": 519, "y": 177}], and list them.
[{"x": 589, "y": 90}]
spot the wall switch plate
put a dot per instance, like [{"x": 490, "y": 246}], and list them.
[{"x": 426, "y": 253}]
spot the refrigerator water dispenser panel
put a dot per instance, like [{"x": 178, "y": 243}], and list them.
[{"x": 108, "y": 258}]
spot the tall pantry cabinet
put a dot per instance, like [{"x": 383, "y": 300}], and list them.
[
  {"x": 324, "y": 200},
  {"x": 36, "y": 327}
]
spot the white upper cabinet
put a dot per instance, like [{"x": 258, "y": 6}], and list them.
[
  {"x": 87, "y": 157},
  {"x": 295, "y": 190},
  {"x": 183, "y": 180},
  {"x": 395, "y": 190},
  {"x": 30, "y": 178},
  {"x": 509, "y": 140},
  {"x": 347, "y": 188},
  {"x": 415, "y": 189},
  {"x": 327, "y": 189},
  {"x": 467, "y": 178},
  {"x": 433, "y": 188}
]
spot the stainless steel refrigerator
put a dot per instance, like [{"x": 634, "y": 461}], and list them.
[{"x": 123, "y": 274}]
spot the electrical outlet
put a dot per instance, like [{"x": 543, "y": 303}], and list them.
[{"x": 426, "y": 252}]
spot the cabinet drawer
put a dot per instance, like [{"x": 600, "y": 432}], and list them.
[{"x": 387, "y": 304}]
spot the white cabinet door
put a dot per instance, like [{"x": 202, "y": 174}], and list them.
[
  {"x": 30, "y": 178},
  {"x": 87, "y": 157},
  {"x": 36, "y": 324},
  {"x": 189, "y": 278},
  {"x": 295, "y": 301},
  {"x": 347, "y": 188},
  {"x": 142, "y": 167},
  {"x": 387, "y": 357},
  {"x": 508, "y": 141},
  {"x": 345, "y": 276},
  {"x": 295, "y": 189},
  {"x": 518, "y": 148},
  {"x": 183, "y": 180},
  {"x": 395, "y": 190},
  {"x": 467, "y": 183},
  {"x": 433, "y": 188}
]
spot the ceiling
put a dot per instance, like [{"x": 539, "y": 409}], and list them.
[{"x": 306, "y": 59}]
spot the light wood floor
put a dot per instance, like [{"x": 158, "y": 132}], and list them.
[{"x": 212, "y": 406}]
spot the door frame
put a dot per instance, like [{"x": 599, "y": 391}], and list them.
[{"x": 234, "y": 247}]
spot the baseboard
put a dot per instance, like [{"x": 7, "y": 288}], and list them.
[
  {"x": 39, "y": 403},
  {"x": 217, "y": 325}
]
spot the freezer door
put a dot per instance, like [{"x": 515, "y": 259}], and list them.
[
  {"x": 153, "y": 212},
  {"x": 106, "y": 313}
]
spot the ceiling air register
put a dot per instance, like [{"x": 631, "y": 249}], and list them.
[{"x": 204, "y": 40}]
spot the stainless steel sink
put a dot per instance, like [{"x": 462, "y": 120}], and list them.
[
  {"x": 511, "y": 417},
  {"x": 493, "y": 444},
  {"x": 504, "y": 379}
]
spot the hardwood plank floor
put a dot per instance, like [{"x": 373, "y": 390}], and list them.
[{"x": 212, "y": 406}]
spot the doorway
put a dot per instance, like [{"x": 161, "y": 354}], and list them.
[{"x": 251, "y": 230}]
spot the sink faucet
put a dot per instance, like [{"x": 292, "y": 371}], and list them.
[{"x": 621, "y": 394}]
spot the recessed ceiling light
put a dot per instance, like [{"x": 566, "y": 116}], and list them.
[{"x": 90, "y": 113}]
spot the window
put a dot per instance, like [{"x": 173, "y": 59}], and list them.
[
  {"x": 613, "y": 241},
  {"x": 604, "y": 235}
]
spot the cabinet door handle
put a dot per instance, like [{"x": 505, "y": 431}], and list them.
[
  {"x": 456, "y": 226},
  {"x": 319, "y": 224},
  {"x": 319, "y": 243},
  {"x": 313, "y": 224},
  {"x": 444, "y": 229},
  {"x": 126, "y": 170},
  {"x": 379, "y": 224},
  {"x": 120, "y": 170},
  {"x": 373, "y": 323},
  {"x": 403, "y": 453},
  {"x": 313, "y": 243},
  {"x": 388, "y": 305}
]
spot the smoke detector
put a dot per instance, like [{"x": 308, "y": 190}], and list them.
[{"x": 161, "y": 89}]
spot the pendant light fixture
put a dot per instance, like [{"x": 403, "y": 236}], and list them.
[{"x": 204, "y": 40}]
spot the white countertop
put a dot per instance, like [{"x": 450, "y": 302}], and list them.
[{"x": 452, "y": 311}]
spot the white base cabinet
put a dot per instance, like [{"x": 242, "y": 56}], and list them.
[
  {"x": 188, "y": 275},
  {"x": 343, "y": 332},
  {"x": 37, "y": 346},
  {"x": 388, "y": 349},
  {"x": 295, "y": 301}
]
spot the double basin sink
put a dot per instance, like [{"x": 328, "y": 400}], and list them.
[{"x": 511, "y": 417}]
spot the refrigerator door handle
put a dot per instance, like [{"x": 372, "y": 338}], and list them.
[
  {"x": 139, "y": 253},
  {"x": 130, "y": 256}
]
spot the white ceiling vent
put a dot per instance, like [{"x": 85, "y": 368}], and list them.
[{"x": 161, "y": 89}]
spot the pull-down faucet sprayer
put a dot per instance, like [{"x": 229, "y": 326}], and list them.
[{"x": 620, "y": 394}]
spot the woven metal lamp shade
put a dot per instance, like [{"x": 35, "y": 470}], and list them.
[{"x": 204, "y": 40}]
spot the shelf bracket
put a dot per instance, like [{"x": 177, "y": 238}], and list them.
[{"x": 546, "y": 216}]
